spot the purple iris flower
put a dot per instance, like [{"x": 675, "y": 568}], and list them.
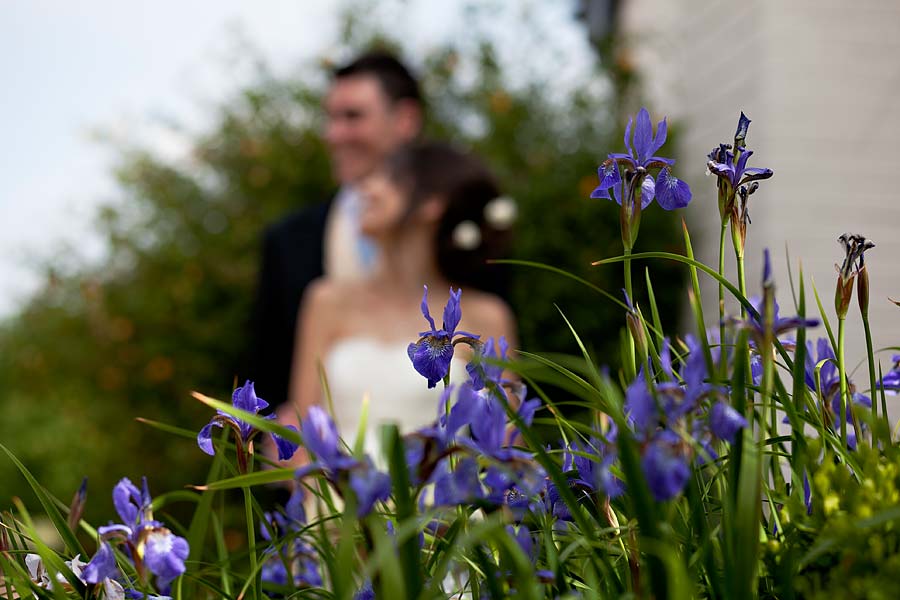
[
  {"x": 102, "y": 565},
  {"x": 725, "y": 421},
  {"x": 149, "y": 543},
  {"x": 736, "y": 180},
  {"x": 365, "y": 592},
  {"x": 370, "y": 485},
  {"x": 516, "y": 485},
  {"x": 737, "y": 173},
  {"x": 829, "y": 379},
  {"x": 702, "y": 433},
  {"x": 828, "y": 374},
  {"x": 722, "y": 164},
  {"x": 680, "y": 399},
  {"x": 640, "y": 406},
  {"x": 664, "y": 466},
  {"x": 673, "y": 399},
  {"x": 164, "y": 555},
  {"x": 451, "y": 419},
  {"x": 891, "y": 381},
  {"x": 593, "y": 470},
  {"x": 294, "y": 552},
  {"x": 554, "y": 503},
  {"x": 461, "y": 485},
  {"x": 424, "y": 447},
  {"x": 432, "y": 354},
  {"x": 669, "y": 191},
  {"x": 754, "y": 321},
  {"x": 321, "y": 438},
  {"x": 780, "y": 325},
  {"x": 482, "y": 371},
  {"x": 244, "y": 398},
  {"x": 644, "y": 144},
  {"x": 616, "y": 191},
  {"x": 525, "y": 540},
  {"x": 489, "y": 428}
]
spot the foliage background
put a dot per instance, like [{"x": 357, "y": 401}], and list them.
[{"x": 167, "y": 311}]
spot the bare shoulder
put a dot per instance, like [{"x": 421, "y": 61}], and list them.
[
  {"x": 487, "y": 315},
  {"x": 326, "y": 296}
]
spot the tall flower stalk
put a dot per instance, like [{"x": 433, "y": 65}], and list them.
[
  {"x": 628, "y": 179},
  {"x": 765, "y": 325},
  {"x": 736, "y": 183},
  {"x": 862, "y": 298},
  {"x": 854, "y": 265}
]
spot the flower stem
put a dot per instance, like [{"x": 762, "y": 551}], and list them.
[
  {"x": 870, "y": 353},
  {"x": 723, "y": 362},
  {"x": 768, "y": 374},
  {"x": 739, "y": 259},
  {"x": 843, "y": 379},
  {"x": 627, "y": 266},
  {"x": 742, "y": 282},
  {"x": 251, "y": 541}
]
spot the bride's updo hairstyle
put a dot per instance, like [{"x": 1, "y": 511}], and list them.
[{"x": 477, "y": 220}]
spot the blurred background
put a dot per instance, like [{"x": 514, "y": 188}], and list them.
[
  {"x": 149, "y": 148},
  {"x": 149, "y": 145}
]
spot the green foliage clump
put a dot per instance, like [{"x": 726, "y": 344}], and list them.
[{"x": 847, "y": 544}]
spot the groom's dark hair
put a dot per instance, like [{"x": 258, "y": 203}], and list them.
[{"x": 396, "y": 80}]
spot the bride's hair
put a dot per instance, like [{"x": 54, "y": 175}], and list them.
[{"x": 476, "y": 224}]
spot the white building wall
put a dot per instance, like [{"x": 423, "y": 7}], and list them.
[{"x": 821, "y": 81}]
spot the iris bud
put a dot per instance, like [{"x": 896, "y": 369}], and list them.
[{"x": 862, "y": 291}]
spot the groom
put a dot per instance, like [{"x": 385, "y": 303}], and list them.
[{"x": 372, "y": 107}]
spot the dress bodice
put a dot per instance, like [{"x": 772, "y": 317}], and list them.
[{"x": 366, "y": 367}]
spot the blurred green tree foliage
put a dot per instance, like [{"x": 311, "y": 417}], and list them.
[{"x": 167, "y": 311}]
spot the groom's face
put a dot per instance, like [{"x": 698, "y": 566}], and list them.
[{"x": 363, "y": 126}]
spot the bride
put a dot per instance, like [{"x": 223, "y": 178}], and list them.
[{"x": 434, "y": 213}]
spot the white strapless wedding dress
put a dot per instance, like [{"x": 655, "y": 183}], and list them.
[{"x": 366, "y": 367}]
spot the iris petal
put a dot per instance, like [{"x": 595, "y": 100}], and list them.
[
  {"x": 245, "y": 398},
  {"x": 666, "y": 472},
  {"x": 431, "y": 357},
  {"x": 755, "y": 174},
  {"x": 643, "y": 136},
  {"x": 648, "y": 191},
  {"x": 204, "y": 438},
  {"x": 286, "y": 448},
  {"x": 425, "y": 311},
  {"x": 608, "y": 173},
  {"x": 369, "y": 485},
  {"x": 725, "y": 421},
  {"x": 628, "y": 137},
  {"x": 102, "y": 565},
  {"x": 452, "y": 311},
  {"x": 671, "y": 192},
  {"x": 127, "y": 500},
  {"x": 660, "y": 138}
]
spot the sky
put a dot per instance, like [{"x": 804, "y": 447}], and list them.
[{"x": 77, "y": 73}]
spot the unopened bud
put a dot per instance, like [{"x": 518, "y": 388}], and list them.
[
  {"x": 862, "y": 291},
  {"x": 843, "y": 292},
  {"x": 740, "y": 135},
  {"x": 76, "y": 509},
  {"x": 632, "y": 319}
]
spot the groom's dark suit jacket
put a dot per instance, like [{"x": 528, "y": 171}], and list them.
[{"x": 292, "y": 257}]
